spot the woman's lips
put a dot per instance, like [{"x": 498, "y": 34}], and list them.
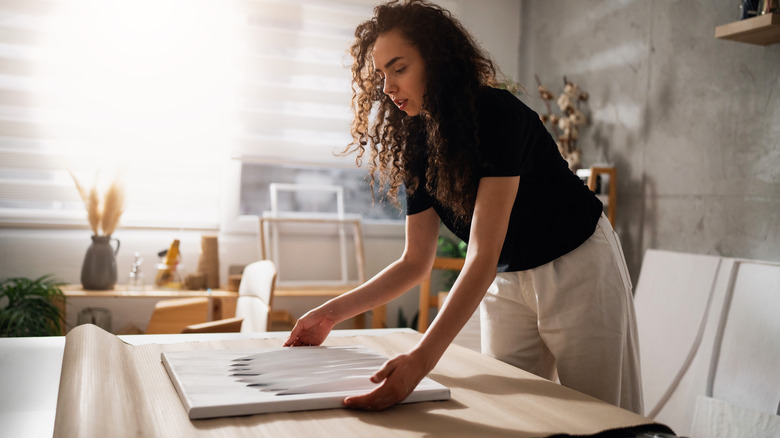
[{"x": 400, "y": 103}]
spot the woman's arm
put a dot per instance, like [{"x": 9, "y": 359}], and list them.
[
  {"x": 422, "y": 231},
  {"x": 402, "y": 373},
  {"x": 495, "y": 198}
]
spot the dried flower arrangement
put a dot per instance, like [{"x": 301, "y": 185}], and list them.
[
  {"x": 565, "y": 128},
  {"x": 103, "y": 215}
]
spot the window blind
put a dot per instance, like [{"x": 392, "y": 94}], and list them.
[
  {"x": 295, "y": 98},
  {"x": 144, "y": 89},
  {"x": 166, "y": 91}
]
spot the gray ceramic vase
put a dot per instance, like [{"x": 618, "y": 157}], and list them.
[{"x": 99, "y": 269}]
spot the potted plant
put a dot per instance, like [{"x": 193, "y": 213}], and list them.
[
  {"x": 31, "y": 307},
  {"x": 450, "y": 246}
]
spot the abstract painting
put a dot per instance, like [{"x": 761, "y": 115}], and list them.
[{"x": 220, "y": 383}]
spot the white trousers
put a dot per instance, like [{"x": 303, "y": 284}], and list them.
[{"x": 572, "y": 317}]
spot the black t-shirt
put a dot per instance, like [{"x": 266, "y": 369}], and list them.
[{"x": 553, "y": 213}]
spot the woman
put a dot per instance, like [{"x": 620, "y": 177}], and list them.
[{"x": 542, "y": 259}]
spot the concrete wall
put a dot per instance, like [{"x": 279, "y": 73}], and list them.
[{"x": 691, "y": 122}]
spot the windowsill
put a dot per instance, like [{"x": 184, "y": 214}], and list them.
[
  {"x": 79, "y": 221},
  {"x": 243, "y": 225},
  {"x": 372, "y": 228}
]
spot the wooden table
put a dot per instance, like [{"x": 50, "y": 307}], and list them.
[
  {"x": 127, "y": 392},
  {"x": 30, "y": 377}
]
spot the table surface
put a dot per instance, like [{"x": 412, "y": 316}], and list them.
[
  {"x": 30, "y": 374},
  {"x": 30, "y": 370}
]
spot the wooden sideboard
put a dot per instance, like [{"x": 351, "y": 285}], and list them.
[{"x": 223, "y": 301}]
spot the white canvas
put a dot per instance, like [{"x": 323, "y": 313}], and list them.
[
  {"x": 715, "y": 418},
  {"x": 221, "y": 383},
  {"x": 678, "y": 302},
  {"x": 746, "y": 366}
]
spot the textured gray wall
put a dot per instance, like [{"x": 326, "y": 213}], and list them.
[{"x": 692, "y": 123}]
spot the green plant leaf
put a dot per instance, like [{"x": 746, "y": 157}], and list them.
[
  {"x": 30, "y": 307},
  {"x": 451, "y": 248}
]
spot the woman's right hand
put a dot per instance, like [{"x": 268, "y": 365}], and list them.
[
  {"x": 311, "y": 329},
  {"x": 422, "y": 231}
]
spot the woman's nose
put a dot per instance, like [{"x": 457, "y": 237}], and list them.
[{"x": 389, "y": 87}]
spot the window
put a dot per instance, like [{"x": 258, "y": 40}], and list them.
[
  {"x": 189, "y": 100},
  {"x": 295, "y": 95},
  {"x": 144, "y": 87},
  {"x": 296, "y": 104},
  {"x": 256, "y": 179}
]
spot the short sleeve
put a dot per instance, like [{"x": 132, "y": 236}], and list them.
[
  {"x": 508, "y": 132},
  {"x": 418, "y": 201}
]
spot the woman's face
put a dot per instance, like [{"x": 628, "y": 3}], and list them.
[{"x": 401, "y": 66}]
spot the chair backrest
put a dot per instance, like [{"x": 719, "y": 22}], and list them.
[
  {"x": 172, "y": 316},
  {"x": 255, "y": 296}
]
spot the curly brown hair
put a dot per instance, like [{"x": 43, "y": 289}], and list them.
[{"x": 440, "y": 146}]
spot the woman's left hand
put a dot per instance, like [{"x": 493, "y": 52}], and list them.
[{"x": 399, "y": 376}]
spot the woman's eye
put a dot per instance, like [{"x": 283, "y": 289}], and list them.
[{"x": 400, "y": 70}]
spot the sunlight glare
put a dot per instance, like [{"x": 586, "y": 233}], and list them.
[{"x": 144, "y": 78}]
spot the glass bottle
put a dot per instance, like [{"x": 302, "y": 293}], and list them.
[{"x": 135, "y": 280}]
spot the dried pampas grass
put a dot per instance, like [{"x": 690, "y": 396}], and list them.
[
  {"x": 103, "y": 215},
  {"x": 113, "y": 207}
]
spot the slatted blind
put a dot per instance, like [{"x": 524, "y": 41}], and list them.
[
  {"x": 168, "y": 91},
  {"x": 295, "y": 101},
  {"x": 142, "y": 87}
]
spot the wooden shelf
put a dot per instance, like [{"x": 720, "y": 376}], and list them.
[
  {"x": 151, "y": 291},
  {"x": 762, "y": 30}
]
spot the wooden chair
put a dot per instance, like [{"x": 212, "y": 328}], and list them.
[
  {"x": 227, "y": 325},
  {"x": 255, "y": 298},
  {"x": 173, "y": 316},
  {"x": 188, "y": 315},
  {"x": 426, "y": 300},
  {"x": 611, "y": 203}
]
